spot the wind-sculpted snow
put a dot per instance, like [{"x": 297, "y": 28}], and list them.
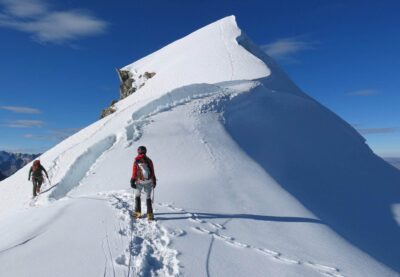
[
  {"x": 81, "y": 167},
  {"x": 166, "y": 102},
  {"x": 177, "y": 97}
]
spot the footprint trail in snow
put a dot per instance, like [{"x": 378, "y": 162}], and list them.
[
  {"x": 204, "y": 227},
  {"x": 148, "y": 252}
]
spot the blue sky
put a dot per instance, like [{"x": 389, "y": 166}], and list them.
[{"x": 58, "y": 58}]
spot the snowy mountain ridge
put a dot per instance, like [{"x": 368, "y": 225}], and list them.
[{"x": 255, "y": 178}]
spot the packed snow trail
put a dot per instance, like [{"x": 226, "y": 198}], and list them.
[{"x": 148, "y": 253}]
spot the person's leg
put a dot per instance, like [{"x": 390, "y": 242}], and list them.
[
  {"x": 34, "y": 182},
  {"x": 39, "y": 184},
  {"x": 148, "y": 189},
  {"x": 150, "y": 214},
  {"x": 137, "y": 192}
]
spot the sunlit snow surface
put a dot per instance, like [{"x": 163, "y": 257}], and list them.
[{"x": 255, "y": 179}]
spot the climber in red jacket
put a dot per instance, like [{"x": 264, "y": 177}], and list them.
[{"x": 143, "y": 178}]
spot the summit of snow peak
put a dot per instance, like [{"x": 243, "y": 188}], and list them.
[
  {"x": 209, "y": 55},
  {"x": 218, "y": 52}
]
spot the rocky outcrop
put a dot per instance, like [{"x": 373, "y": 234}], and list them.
[
  {"x": 109, "y": 110},
  {"x": 130, "y": 82},
  {"x": 126, "y": 81}
]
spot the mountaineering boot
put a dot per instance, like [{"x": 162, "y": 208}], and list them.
[
  {"x": 138, "y": 212},
  {"x": 150, "y": 215}
]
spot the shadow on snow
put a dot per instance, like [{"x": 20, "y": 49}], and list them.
[
  {"x": 185, "y": 215},
  {"x": 323, "y": 162}
]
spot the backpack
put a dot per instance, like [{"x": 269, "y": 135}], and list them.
[{"x": 144, "y": 169}]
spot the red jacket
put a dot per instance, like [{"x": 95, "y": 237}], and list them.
[{"x": 136, "y": 174}]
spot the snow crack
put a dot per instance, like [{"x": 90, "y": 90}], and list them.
[{"x": 81, "y": 167}]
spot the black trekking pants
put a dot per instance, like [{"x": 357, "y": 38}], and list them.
[{"x": 37, "y": 183}]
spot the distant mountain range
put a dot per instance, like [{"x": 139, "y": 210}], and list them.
[
  {"x": 11, "y": 162},
  {"x": 394, "y": 161},
  {"x": 2, "y": 177}
]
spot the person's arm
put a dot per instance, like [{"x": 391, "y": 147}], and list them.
[
  {"x": 47, "y": 175},
  {"x": 30, "y": 173},
  {"x": 134, "y": 173}
]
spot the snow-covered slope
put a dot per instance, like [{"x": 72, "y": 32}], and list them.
[{"x": 255, "y": 179}]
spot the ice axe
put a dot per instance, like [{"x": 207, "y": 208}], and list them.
[{"x": 48, "y": 179}]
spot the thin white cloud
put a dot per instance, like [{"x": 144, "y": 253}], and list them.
[
  {"x": 23, "y": 123},
  {"x": 45, "y": 25},
  {"x": 17, "y": 109},
  {"x": 286, "y": 48},
  {"x": 54, "y": 134},
  {"x": 363, "y": 92},
  {"x": 383, "y": 130},
  {"x": 24, "y": 8},
  {"x": 393, "y": 161}
]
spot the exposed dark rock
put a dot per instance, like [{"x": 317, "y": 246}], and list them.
[
  {"x": 126, "y": 87},
  {"x": 129, "y": 83},
  {"x": 109, "y": 110},
  {"x": 149, "y": 75}
]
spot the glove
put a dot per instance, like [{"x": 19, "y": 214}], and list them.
[
  {"x": 154, "y": 183},
  {"x": 133, "y": 184},
  {"x": 29, "y": 179}
]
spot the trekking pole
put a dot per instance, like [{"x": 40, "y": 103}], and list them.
[{"x": 152, "y": 198}]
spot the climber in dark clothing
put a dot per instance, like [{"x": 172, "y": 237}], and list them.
[{"x": 36, "y": 172}]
